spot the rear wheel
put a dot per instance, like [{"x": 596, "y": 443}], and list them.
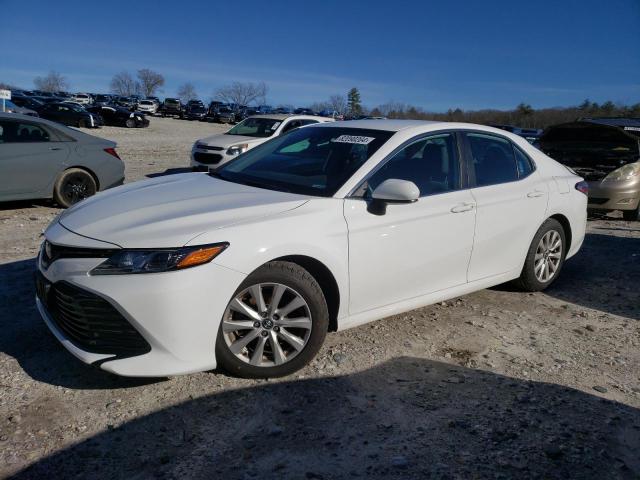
[
  {"x": 74, "y": 185},
  {"x": 544, "y": 258},
  {"x": 275, "y": 323},
  {"x": 631, "y": 215}
]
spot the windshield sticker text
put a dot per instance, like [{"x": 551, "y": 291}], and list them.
[{"x": 353, "y": 139}]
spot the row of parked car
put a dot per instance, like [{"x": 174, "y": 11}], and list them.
[{"x": 78, "y": 110}]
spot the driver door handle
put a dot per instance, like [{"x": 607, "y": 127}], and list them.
[
  {"x": 463, "y": 207},
  {"x": 55, "y": 148},
  {"x": 535, "y": 193}
]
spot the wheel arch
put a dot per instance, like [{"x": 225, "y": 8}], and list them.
[
  {"x": 566, "y": 226},
  {"x": 325, "y": 279}
]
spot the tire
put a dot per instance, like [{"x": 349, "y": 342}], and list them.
[
  {"x": 73, "y": 185},
  {"x": 293, "y": 285},
  {"x": 529, "y": 280},
  {"x": 130, "y": 123},
  {"x": 82, "y": 123},
  {"x": 631, "y": 215}
]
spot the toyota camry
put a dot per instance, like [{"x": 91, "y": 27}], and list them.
[{"x": 327, "y": 227}]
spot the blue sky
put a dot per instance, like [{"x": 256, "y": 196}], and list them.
[{"x": 434, "y": 54}]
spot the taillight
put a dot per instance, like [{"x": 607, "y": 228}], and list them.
[
  {"x": 112, "y": 151},
  {"x": 583, "y": 187}
]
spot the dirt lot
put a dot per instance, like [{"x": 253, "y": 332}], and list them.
[{"x": 497, "y": 384}]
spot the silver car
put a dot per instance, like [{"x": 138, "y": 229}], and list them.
[{"x": 43, "y": 159}]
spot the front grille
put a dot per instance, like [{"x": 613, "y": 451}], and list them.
[
  {"x": 209, "y": 147},
  {"x": 207, "y": 158},
  {"x": 597, "y": 200},
  {"x": 90, "y": 322},
  {"x": 52, "y": 252}
]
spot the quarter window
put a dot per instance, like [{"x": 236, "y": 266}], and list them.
[
  {"x": 525, "y": 165},
  {"x": 431, "y": 163},
  {"x": 493, "y": 159}
]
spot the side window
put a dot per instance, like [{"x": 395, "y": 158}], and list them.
[
  {"x": 17, "y": 132},
  {"x": 525, "y": 165},
  {"x": 431, "y": 163},
  {"x": 493, "y": 159},
  {"x": 291, "y": 125}
]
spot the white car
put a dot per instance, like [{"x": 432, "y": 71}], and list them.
[
  {"x": 218, "y": 149},
  {"x": 325, "y": 228},
  {"x": 81, "y": 98},
  {"x": 147, "y": 106}
]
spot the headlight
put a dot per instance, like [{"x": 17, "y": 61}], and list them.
[
  {"x": 626, "y": 172},
  {"x": 237, "y": 149},
  {"x": 160, "y": 260}
]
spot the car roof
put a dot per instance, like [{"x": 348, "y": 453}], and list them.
[
  {"x": 388, "y": 125},
  {"x": 614, "y": 121},
  {"x": 285, "y": 116}
]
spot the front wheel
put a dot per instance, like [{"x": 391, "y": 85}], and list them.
[
  {"x": 545, "y": 257},
  {"x": 130, "y": 123},
  {"x": 275, "y": 323},
  {"x": 631, "y": 215},
  {"x": 73, "y": 185}
]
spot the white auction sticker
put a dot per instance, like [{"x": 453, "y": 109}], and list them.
[{"x": 353, "y": 139}]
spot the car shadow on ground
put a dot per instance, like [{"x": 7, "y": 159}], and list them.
[
  {"x": 25, "y": 337},
  {"x": 603, "y": 275},
  {"x": 20, "y": 204},
  {"x": 407, "y": 418},
  {"x": 170, "y": 171}
]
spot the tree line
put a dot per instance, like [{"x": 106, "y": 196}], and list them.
[{"x": 147, "y": 82}]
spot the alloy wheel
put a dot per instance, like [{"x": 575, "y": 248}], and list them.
[
  {"x": 267, "y": 324},
  {"x": 548, "y": 256},
  {"x": 76, "y": 188}
]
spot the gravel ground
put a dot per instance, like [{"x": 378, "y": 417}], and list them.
[{"x": 496, "y": 384}]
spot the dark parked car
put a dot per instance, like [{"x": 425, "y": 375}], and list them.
[
  {"x": 171, "y": 106},
  {"x": 126, "y": 102},
  {"x": 225, "y": 115},
  {"x": 606, "y": 152},
  {"x": 119, "y": 116},
  {"x": 70, "y": 114},
  {"x": 27, "y": 102},
  {"x": 245, "y": 113},
  {"x": 103, "y": 100},
  {"x": 42, "y": 159},
  {"x": 531, "y": 134},
  {"x": 304, "y": 111},
  {"x": 194, "y": 111}
]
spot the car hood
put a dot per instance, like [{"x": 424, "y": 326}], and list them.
[
  {"x": 223, "y": 140},
  {"x": 171, "y": 210}
]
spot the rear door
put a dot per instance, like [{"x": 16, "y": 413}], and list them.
[
  {"x": 511, "y": 198},
  {"x": 31, "y": 156}
]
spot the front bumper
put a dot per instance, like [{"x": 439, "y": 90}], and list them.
[
  {"x": 177, "y": 313},
  {"x": 614, "y": 195}
]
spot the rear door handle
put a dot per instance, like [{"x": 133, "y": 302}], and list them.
[
  {"x": 55, "y": 148},
  {"x": 463, "y": 207},
  {"x": 535, "y": 193}
]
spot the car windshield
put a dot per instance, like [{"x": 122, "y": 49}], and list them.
[
  {"x": 256, "y": 127},
  {"x": 146, "y": 102},
  {"x": 310, "y": 161}
]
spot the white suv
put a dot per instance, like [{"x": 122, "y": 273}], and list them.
[{"x": 81, "y": 98}]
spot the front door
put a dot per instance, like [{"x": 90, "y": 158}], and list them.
[{"x": 413, "y": 249}]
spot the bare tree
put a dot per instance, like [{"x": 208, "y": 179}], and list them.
[
  {"x": 124, "y": 84},
  {"x": 243, "y": 93},
  {"x": 338, "y": 103},
  {"x": 186, "y": 92},
  {"x": 150, "y": 81},
  {"x": 52, "y": 82}
]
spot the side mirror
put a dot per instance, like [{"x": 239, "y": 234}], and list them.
[{"x": 392, "y": 191}]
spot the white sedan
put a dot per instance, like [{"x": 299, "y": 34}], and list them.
[
  {"x": 325, "y": 228},
  {"x": 217, "y": 150},
  {"x": 147, "y": 106}
]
